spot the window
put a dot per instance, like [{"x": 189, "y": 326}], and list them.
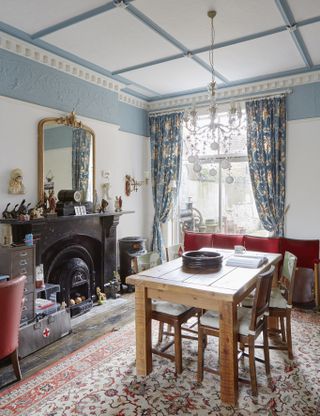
[{"x": 218, "y": 206}]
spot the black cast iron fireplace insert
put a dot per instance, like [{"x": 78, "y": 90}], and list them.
[{"x": 73, "y": 269}]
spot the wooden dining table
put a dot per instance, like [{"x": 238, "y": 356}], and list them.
[{"x": 220, "y": 290}]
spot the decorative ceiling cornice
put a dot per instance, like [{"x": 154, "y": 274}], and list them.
[
  {"x": 237, "y": 93},
  {"x": 41, "y": 56}
]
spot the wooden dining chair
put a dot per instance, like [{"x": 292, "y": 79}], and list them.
[
  {"x": 173, "y": 314},
  {"x": 251, "y": 322},
  {"x": 281, "y": 302},
  {"x": 11, "y": 300},
  {"x": 173, "y": 252},
  {"x": 280, "y": 306}
]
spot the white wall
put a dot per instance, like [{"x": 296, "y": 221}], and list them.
[
  {"x": 117, "y": 152},
  {"x": 123, "y": 153},
  {"x": 303, "y": 179}
]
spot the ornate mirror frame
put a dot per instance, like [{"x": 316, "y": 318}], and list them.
[{"x": 70, "y": 121}]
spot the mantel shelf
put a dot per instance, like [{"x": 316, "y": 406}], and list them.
[
  {"x": 65, "y": 217},
  {"x": 90, "y": 237}
]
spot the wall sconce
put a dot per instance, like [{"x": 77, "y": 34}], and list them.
[{"x": 132, "y": 184}]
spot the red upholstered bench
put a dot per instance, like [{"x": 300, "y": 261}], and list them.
[
  {"x": 307, "y": 277},
  {"x": 196, "y": 241}
]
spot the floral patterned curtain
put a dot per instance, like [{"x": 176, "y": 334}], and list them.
[
  {"x": 166, "y": 153},
  {"x": 81, "y": 150},
  {"x": 266, "y": 141}
]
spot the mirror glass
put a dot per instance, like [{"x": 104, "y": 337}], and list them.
[{"x": 66, "y": 159}]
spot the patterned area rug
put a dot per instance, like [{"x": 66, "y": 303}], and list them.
[{"x": 100, "y": 379}]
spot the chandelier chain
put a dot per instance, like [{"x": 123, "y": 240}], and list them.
[{"x": 211, "y": 59}]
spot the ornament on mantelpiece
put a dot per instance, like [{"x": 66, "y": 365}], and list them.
[
  {"x": 104, "y": 206},
  {"x": 96, "y": 206},
  {"x": 118, "y": 204},
  {"x": 106, "y": 189}
]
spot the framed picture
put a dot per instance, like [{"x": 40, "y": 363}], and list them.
[{"x": 80, "y": 210}]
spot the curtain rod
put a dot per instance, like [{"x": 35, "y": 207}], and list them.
[{"x": 240, "y": 98}]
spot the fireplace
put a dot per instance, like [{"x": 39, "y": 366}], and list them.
[
  {"x": 77, "y": 252},
  {"x": 74, "y": 268}
]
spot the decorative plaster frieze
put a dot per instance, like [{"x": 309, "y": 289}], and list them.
[
  {"x": 237, "y": 92},
  {"x": 34, "y": 53},
  {"x": 131, "y": 100}
]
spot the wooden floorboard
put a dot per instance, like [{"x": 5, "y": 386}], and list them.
[{"x": 83, "y": 333}]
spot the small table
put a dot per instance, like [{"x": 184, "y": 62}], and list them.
[{"x": 221, "y": 291}]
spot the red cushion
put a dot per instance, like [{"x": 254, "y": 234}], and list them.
[
  {"x": 307, "y": 251},
  {"x": 195, "y": 241},
  {"x": 266, "y": 244},
  {"x": 227, "y": 240}
]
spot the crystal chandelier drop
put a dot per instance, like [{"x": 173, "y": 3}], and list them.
[{"x": 212, "y": 137}]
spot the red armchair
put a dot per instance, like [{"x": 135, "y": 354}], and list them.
[{"x": 11, "y": 296}]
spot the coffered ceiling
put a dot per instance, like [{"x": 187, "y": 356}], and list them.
[{"x": 159, "y": 48}]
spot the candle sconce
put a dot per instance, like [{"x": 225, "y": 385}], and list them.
[{"x": 132, "y": 184}]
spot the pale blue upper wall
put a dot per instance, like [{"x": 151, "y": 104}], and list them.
[
  {"x": 30, "y": 81},
  {"x": 33, "y": 82},
  {"x": 304, "y": 102}
]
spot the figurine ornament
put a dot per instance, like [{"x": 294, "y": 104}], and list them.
[{"x": 16, "y": 185}]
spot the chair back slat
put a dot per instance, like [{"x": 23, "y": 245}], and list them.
[
  {"x": 262, "y": 297},
  {"x": 173, "y": 252},
  {"x": 146, "y": 261},
  {"x": 288, "y": 274}
]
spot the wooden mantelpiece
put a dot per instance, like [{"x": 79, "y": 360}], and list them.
[{"x": 92, "y": 235}]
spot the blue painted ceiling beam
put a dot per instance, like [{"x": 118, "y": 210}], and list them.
[
  {"x": 289, "y": 20},
  {"x": 150, "y": 63},
  {"x": 220, "y": 45},
  {"x": 185, "y": 51},
  {"x": 76, "y": 19}
]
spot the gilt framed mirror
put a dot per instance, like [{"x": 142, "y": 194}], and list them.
[{"x": 66, "y": 157}]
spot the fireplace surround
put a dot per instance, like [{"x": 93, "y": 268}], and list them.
[{"x": 77, "y": 252}]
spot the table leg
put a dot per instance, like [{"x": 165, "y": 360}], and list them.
[
  {"x": 228, "y": 354},
  {"x": 143, "y": 332}
]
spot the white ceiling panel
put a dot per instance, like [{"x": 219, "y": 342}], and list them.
[
  {"x": 304, "y": 9},
  {"x": 187, "y": 21},
  {"x": 34, "y": 15},
  {"x": 169, "y": 77},
  {"x": 311, "y": 36},
  {"x": 113, "y": 40},
  {"x": 120, "y": 38},
  {"x": 266, "y": 55}
]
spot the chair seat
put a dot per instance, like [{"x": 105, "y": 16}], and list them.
[
  {"x": 248, "y": 301},
  {"x": 211, "y": 319},
  {"x": 174, "y": 309},
  {"x": 277, "y": 300}
]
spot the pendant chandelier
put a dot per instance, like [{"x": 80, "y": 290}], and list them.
[{"x": 212, "y": 138}]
